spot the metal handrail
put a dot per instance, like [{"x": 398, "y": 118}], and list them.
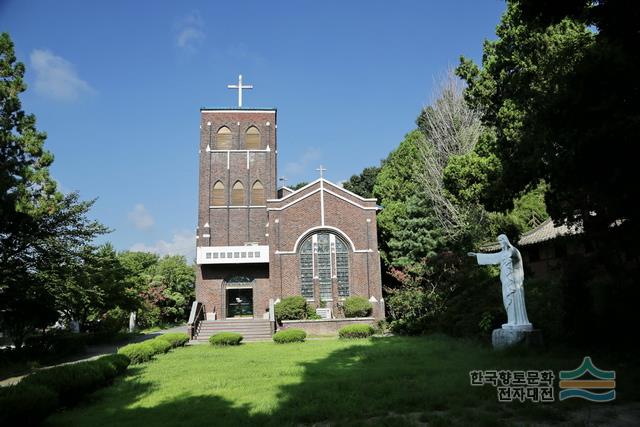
[{"x": 197, "y": 309}]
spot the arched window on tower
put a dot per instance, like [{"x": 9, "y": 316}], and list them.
[
  {"x": 223, "y": 139},
  {"x": 237, "y": 194},
  {"x": 257, "y": 194},
  {"x": 252, "y": 138},
  {"x": 217, "y": 196}
]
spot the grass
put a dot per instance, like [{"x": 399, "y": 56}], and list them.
[{"x": 385, "y": 381}]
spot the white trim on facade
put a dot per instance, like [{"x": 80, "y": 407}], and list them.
[
  {"x": 235, "y": 207},
  {"x": 204, "y": 110},
  {"x": 232, "y": 254},
  {"x": 321, "y": 190},
  {"x": 295, "y": 201}
]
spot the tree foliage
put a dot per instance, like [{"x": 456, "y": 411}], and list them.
[
  {"x": 43, "y": 233},
  {"x": 559, "y": 87},
  {"x": 395, "y": 183},
  {"x": 363, "y": 183},
  {"x": 450, "y": 128}
]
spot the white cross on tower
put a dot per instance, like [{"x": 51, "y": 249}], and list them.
[
  {"x": 239, "y": 86},
  {"x": 321, "y": 170}
]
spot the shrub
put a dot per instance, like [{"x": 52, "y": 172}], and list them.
[
  {"x": 177, "y": 339},
  {"x": 138, "y": 353},
  {"x": 291, "y": 308},
  {"x": 72, "y": 382},
  {"x": 356, "y": 331},
  {"x": 26, "y": 404},
  {"x": 119, "y": 361},
  {"x": 159, "y": 345},
  {"x": 357, "y": 307},
  {"x": 225, "y": 338},
  {"x": 289, "y": 335}
]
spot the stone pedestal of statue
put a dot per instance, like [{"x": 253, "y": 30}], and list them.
[{"x": 521, "y": 335}]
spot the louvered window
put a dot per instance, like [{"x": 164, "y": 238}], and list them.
[
  {"x": 237, "y": 194},
  {"x": 218, "y": 196},
  {"x": 257, "y": 194},
  {"x": 223, "y": 139},
  {"x": 252, "y": 138}
]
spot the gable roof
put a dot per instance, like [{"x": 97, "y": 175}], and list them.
[{"x": 327, "y": 187}]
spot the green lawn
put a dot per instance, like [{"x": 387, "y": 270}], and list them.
[{"x": 386, "y": 381}]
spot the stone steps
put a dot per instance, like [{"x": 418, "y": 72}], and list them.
[{"x": 250, "y": 329}]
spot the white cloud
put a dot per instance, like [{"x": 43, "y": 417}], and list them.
[
  {"x": 303, "y": 163},
  {"x": 56, "y": 77},
  {"x": 190, "y": 32},
  {"x": 140, "y": 217},
  {"x": 182, "y": 243}
]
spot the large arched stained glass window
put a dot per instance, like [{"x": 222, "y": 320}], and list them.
[
  {"x": 324, "y": 256},
  {"x": 342, "y": 268},
  {"x": 306, "y": 269}
]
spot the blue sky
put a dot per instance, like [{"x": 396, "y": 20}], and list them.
[{"x": 118, "y": 85}]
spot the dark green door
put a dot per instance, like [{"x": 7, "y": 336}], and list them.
[{"x": 239, "y": 302}]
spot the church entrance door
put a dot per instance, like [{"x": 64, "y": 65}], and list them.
[{"x": 240, "y": 302}]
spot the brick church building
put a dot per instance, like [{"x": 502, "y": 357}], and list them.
[{"x": 257, "y": 244}]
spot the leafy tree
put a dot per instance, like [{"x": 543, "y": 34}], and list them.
[
  {"x": 417, "y": 238},
  {"x": 559, "y": 87},
  {"x": 164, "y": 287},
  {"x": 395, "y": 183},
  {"x": 93, "y": 287},
  {"x": 298, "y": 185},
  {"x": 177, "y": 280},
  {"x": 363, "y": 184},
  {"x": 40, "y": 228}
]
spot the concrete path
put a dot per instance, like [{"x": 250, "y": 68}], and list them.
[{"x": 95, "y": 351}]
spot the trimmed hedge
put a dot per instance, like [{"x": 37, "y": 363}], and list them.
[
  {"x": 159, "y": 345},
  {"x": 225, "y": 338},
  {"x": 356, "y": 331},
  {"x": 26, "y": 404},
  {"x": 289, "y": 335},
  {"x": 42, "y": 392},
  {"x": 177, "y": 339},
  {"x": 357, "y": 307},
  {"x": 138, "y": 353},
  {"x": 119, "y": 361}
]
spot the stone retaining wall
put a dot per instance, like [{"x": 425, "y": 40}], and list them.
[{"x": 325, "y": 326}]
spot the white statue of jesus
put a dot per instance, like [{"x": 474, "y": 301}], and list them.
[{"x": 511, "y": 276}]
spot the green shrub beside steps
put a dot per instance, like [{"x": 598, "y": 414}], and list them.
[
  {"x": 357, "y": 307},
  {"x": 289, "y": 335},
  {"x": 356, "y": 331},
  {"x": 291, "y": 308},
  {"x": 225, "y": 338}
]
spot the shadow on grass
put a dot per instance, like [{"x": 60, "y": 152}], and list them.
[{"x": 390, "y": 381}]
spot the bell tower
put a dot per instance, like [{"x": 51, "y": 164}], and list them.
[{"x": 237, "y": 174}]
